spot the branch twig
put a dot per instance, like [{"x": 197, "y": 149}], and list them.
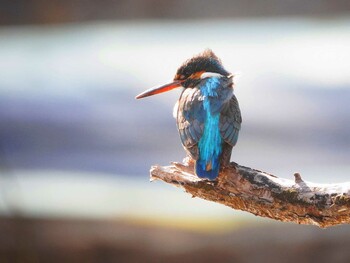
[{"x": 264, "y": 194}]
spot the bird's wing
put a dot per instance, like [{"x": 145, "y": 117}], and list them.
[
  {"x": 190, "y": 119},
  {"x": 230, "y": 121}
]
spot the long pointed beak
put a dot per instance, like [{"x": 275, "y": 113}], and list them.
[{"x": 161, "y": 89}]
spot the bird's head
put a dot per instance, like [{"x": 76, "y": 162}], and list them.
[{"x": 191, "y": 72}]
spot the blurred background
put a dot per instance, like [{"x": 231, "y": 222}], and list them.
[{"x": 76, "y": 148}]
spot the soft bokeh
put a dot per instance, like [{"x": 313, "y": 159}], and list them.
[{"x": 76, "y": 147}]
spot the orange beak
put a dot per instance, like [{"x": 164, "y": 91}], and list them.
[{"x": 161, "y": 89}]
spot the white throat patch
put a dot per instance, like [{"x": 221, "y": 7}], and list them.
[{"x": 210, "y": 74}]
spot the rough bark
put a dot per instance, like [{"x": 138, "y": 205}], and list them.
[{"x": 265, "y": 195}]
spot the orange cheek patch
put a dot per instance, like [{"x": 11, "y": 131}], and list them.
[{"x": 197, "y": 75}]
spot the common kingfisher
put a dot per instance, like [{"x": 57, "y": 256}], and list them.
[{"x": 207, "y": 113}]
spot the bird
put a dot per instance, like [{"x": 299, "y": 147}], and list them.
[{"x": 207, "y": 113}]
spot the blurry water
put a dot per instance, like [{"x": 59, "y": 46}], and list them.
[{"x": 67, "y": 106}]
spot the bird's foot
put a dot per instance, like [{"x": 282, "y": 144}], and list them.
[
  {"x": 187, "y": 165},
  {"x": 188, "y": 161}
]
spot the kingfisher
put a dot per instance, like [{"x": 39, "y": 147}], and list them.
[{"x": 207, "y": 113}]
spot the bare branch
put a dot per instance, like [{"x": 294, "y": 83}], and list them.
[{"x": 264, "y": 194}]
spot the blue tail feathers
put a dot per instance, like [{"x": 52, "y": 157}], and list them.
[{"x": 208, "y": 170}]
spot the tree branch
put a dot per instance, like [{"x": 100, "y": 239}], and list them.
[{"x": 264, "y": 194}]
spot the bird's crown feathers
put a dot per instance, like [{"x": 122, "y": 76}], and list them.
[{"x": 206, "y": 61}]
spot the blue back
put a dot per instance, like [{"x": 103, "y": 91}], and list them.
[
  {"x": 208, "y": 120},
  {"x": 210, "y": 144}
]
